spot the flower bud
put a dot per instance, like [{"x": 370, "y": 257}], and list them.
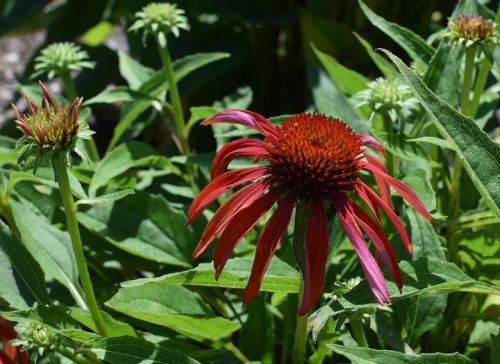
[
  {"x": 60, "y": 58},
  {"x": 471, "y": 28}
]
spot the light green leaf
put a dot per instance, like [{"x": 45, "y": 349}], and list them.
[
  {"x": 144, "y": 225},
  {"x": 108, "y": 197},
  {"x": 21, "y": 278},
  {"x": 348, "y": 81},
  {"x": 132, "y": 71},
  {"x": 424, "y": 238},
  {"x": 119, "y": 94},
  {"x": 419, "y": 181},
  {"x": 7, "y": 154},
  {"x": 432, "y": 140},
  {"x": 174, "y": 307},
  {"x": 361, "y": 355},
  {"x": 127, "y": 156},
  {"x": 279, "y": 277},
  {"x": 479, "y": 154},
  {"x": 133, "y": 350},
  {"x": 114, "y": 327},
  {"x": 413, "y": 44}
]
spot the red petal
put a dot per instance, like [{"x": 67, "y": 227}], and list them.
[
  {"x": 406, "y": 192},
  {"x": 269, "y": 239},
  {"x": 231, "y": 150},
  {"x": 372, "y": 143},
  {"x": 240, "y": 200},
  {"x": 316, "y": 254},
  {"x": 372, "y": 203},
  {"x": 372, "y": 271},
  {"x": 380, "y": 241},
  {"x": 383, "y": 187},
  {"x": 5, "y": 358},
  {"x": 390, "y": 214},
  {"x": 220, "y": 185},
  {"x": 243, "y": 117},
  {"x": 240, "y": 224}
]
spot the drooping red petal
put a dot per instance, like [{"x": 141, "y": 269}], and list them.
[
  {"x": 382, "y": 245},
  {"x": 243, "y": 117},
  {"x": 383, "y": 186},
  {"x": 236, "y": 148},
  {"x": 220, "y": 185},
  {"x": 5, "y": 358},
  {"x": 316, "y": 254},
  {"x": 239, "y": 200},
  {"x": 372, "y": 271},
  {"x": 372, "y": 203},
  {"x": 406, "y": 192},
  {"x": 240, "y": 224},
  {"x": 390, "y": 214},
  {"x": 269, "y": 239},
  {"x": 372, "y": 143}
]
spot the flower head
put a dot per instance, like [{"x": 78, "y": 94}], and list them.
[
  {"x": 50, "y": 130},
  {"x": 388, "y": 96},
  {"x": 160, "y": 19},
  {"x": 470, "y": 29},
  {"x": 310, "y": 159},
  {"x": 61, "y": 58},
  {"x": 10, "y": 353}
]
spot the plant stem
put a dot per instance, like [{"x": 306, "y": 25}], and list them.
[
  {"x": 72, "y": 94},
  {"x": 174, "y": 98},
  {"x": 389, "y": 157},
  {"x": 300, "y": 339},
  {"x": 358, "y": 332},
  {"x": 482, "y": 76},
  {"x": 470, "y": 55},
  {"x": 77, "y": 358},
  {"x": 74, "y": 232}
]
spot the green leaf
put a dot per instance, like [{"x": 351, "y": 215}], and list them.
[
  {"x": 108, "y": 197},
  {"x": 361, "y": 355},
  {"x": 413, "y": 44},
  {"x": 132, "y": 71},
  {"x": 419, "y": 181},
  {"x": 50, "y": 247},
  {"x": 156, "y": 85},
  {"x": 348, "y": 81},
  {"x": 113, "y": 327},
  {"x": 119, "y": 94},
  {"x": 495, "y": 348},
  {"x": 7, "y": 153},
  {"x": 174, "y": 307},
  {"x": 479, "y": 154},
  {"x": 144, "y": 225},
  {"x": 329, "y": 100},
  {"x": 432, "y": 140},
  {"x": 133, "y": 350},
  {"x": 279, "y": 277},
  {"x": 22, "y": 281},
  {"x": 425, "y": 240},
  {"x": 383, "y": 65},
  {"x": 127, "y": 156},
  {"x": 397, "y": 144}
]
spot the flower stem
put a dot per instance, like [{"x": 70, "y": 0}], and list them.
[
  {"x": 389, "y": 157},
  {"x": 358, "y": 332},
  {"x": 76, "y": 242},
  {"x": 72, "y": 94},
  {"x": 174, "y": 98},
  {"x": 484, "y": 70},
  {"x": 77, "y": 358},
  {"x": 300, "y": 340},
  {"x": 470, "y": 55}
]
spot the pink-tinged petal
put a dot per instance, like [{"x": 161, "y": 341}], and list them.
[
  {"x": 240, "y": 224},
  {"x": 243, "y": 117},
  {"x": 382, "y": 185},
  {"x": 383, "y": 247},
  {"x": 370, "y": 267},
  {"x": 269, "y": 240},
  {"x": 390, "y": 214},
  {"x": 370, "y": 201},
  {"x": 316, "y": 254},
  {"x": 236, "y": 148},
  {"x": 372, "y": 143},
  {"x": 239, "y": 200},
  {"x": 406, "y": 192},
  {"x": 220, "y": 185}
]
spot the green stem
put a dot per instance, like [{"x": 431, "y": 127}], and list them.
[
  {"x": 174, "y": 98},
  {"x": 300, "y": 340},
  {"x": 72, "y": 94},
  {"x": 358, "y": 331},
  {"x": 74, "y": 232},
  {"x": 470, "y": 55},
  {"x": 484, "y": 70},
  {"x": 77, "y": 358},
  {"x": 389, "y": 157}
]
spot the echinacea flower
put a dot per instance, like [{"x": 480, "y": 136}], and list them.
[
  {"x": 316, "y": 160},
  {"x": 470, "y": 29},
  {"x": 10, "y": 354}
]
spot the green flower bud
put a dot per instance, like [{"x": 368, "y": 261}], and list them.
[
  {"x": 60, "y": 58},
  {"x": 160, "y": 19},
  {"x": 471, "y": 29},
  {"x": 50, "y": 130}
]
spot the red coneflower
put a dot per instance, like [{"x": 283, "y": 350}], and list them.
[
  {"x": 9, "y": 354},
  {"x": 310, "y": 158}
]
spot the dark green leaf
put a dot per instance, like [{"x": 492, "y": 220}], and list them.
[
  {"x": 479, "y": 154},
  {"x": 257, "y": 333},
  {"x": 132, "y": 71},
  {"x": 383, "y": 65}
]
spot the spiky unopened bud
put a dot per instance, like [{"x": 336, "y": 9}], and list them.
[
  {"x": 160, "y": 19},
  {"x": 471, "y": 29},
  {"x": 50, "y": 130},
  {"x": 60, "y": 58}
]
